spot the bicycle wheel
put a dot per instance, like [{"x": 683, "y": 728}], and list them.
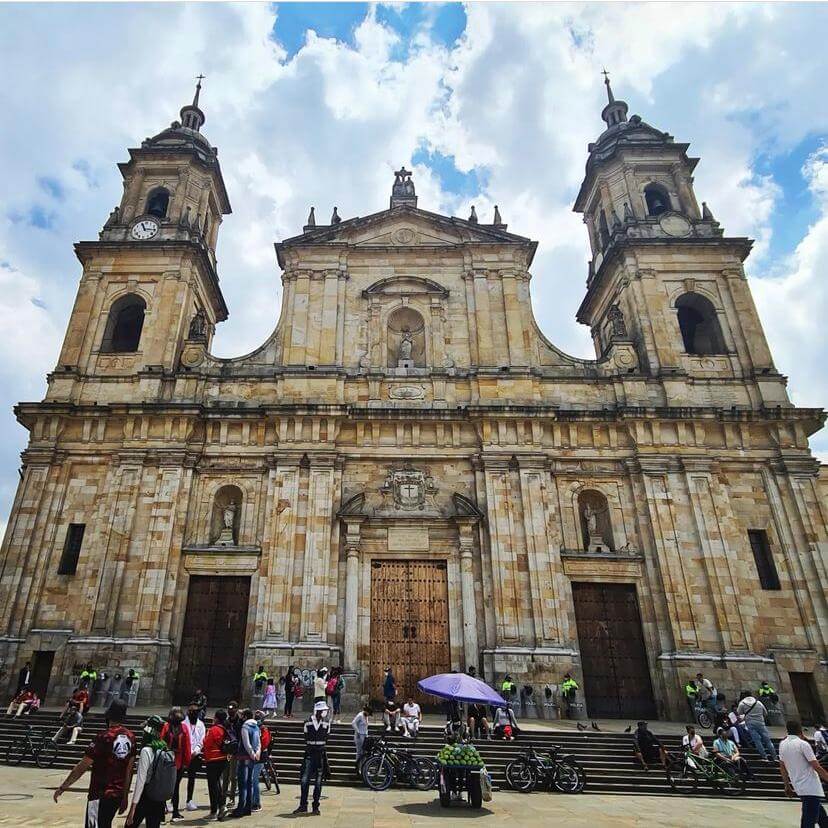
[
  {"x": 15, "y": 753},
  {"x": 682, "y": 778},
  {"x": 46, "y": 754},
  {"x": 378, "y": 773},
  {"x": 520, "y": 776},
  {"x": 569, "y": 777},
  {"x": 704, "y": 719},
  {"x": 424, "y": 773}
]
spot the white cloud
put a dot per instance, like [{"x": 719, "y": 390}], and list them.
[{"x": 517, "y": 98}]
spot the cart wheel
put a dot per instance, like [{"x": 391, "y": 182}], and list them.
[{"x": 475, "y": 791}]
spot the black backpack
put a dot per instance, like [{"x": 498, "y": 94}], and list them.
[{"x": 161, "y": 783}]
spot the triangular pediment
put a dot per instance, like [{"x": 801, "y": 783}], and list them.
[{"x": 405, "y": 226}]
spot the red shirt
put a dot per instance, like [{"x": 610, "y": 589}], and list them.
[
  {"x": 265, "y": 738},
  {"x": 81, "y": 697},
  {"x": 180, "y": 746},
  {"x": 213, "y": 741},
  {"x": 110, "y": 752}
]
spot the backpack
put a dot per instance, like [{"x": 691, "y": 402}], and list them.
[
  {"x": 229, "y": 744},
  {"x": 161, "y": 783},
  {"x": 330, "y": 687}
]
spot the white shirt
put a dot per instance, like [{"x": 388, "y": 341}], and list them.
[
  {"x": 197, "y": 733},
  {"x": 411, "y": 710},
  {"x": 360, "y": 724},
  {"x": 819, "y": 739},
  {"x": 695, "y": 745},
  {"x": 796, "y": 754}
]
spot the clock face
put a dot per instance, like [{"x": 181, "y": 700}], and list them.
[{"x": 144, "y": 229}]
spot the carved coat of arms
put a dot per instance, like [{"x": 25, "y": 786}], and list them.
[{"x": 410, "y": 489}]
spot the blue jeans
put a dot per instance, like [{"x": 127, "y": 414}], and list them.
[
  {"x": 311, "y": 770},
  {"x": 761, "y": 740},
  {"x": 245, "y": 780},
  {"x": 257, "y": 794},
  {"x": 813, "y": 813}
]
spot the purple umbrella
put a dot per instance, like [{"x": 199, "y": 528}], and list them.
[{"x": 461, "y": 687}]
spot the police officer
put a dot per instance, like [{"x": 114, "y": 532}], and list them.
[
  {"x": 317, "y": 729},
  {"x": 259, "y": 680},
  {"x": 691, "y": 692},
  {"x": 569, "y": 689},
  {"x": 766, "y": 693}
]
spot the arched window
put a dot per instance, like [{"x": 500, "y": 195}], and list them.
[
  {"x": 657, "y": 198},
  {"x": 596, "y": 528},
  {"x": 699, "y": 325},
  {"x": 123, "y": 327},
  {"x": 406, "y": 339},
  {"x": 225, "y": 522},
  {"x": 157, "y": 202},
  {"x": 603, "y": 230}
]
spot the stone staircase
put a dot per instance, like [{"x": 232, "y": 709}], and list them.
[{"x": 606, "y": 757}]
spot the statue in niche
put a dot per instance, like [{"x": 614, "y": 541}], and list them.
[
  {"x": 198, "y": 326},
  {"x": 406, "y": 347},
  {"x": 228, "y": 516},
  {"x": 595, "y": 541},
  {"x": 616, "y": 319}
]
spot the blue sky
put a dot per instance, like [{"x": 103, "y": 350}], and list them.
[{"x": 317, "y": 104}]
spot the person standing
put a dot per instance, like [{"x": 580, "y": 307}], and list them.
[
  {"x": 389, "y": 686},
  {"x": 320, "y": 686},
  {"x": 258, "y": 767},
  {"x": 234, "y": 723},
  {"x": 24, "y": 677},
  {"x": 249, "y": 753},
  {"x": 200, "y": 702},
  {"x": 109, "y": 756},
  {"x": 691, "y": 693},
  {"x": 317, "y": 729},
  {"x": 755, "y": 714},
  {"x": 290, "y": 692},
  {"x": 269, "y": 700},
  {"x": 147, "y": 807},
  {"x": 801, "y": 773},
  {"x": 335, "y": 686},
  {"x": 177, "y": 736},
  {"x": 259, "y": 680},
  {"x": 359, "y": 724},
  {"x": 215, "y": 761},
  {"x": 195, "y": 727},
  {"x": 569, "y": 691}
]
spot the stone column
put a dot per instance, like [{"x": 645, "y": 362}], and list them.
[
  {"x": 352, "y": 554},
  {"x": 465, "y": 531}
]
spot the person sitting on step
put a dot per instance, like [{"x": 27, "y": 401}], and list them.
[
  {"x": 25, "y": 703},
  {"x": 71, "y": 722},
  {"x": 647, "y": 748},
  {"x": 391, "y": 716}
]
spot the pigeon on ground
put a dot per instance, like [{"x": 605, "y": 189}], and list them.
[
  {"x": 628, "y": 728},
  {"x": 581, "y": 726},
  {"x": 595, "y": 726}
]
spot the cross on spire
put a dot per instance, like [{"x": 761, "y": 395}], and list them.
[
  {"x": 615, "y": 112},
  {"x": 199, "y": 79},
  {"x": 609, "y": 88}
]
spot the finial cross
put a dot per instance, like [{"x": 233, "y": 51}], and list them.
[
  {"x": 200, "y": 78},
  {"x": 606, "y": 75}
]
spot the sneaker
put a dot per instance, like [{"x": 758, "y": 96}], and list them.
[
  {"x": 387, "y": 729},
  {"x": 316, "y": 811},
  {"x": 301, "y": 810},
  {"x": 191, "y": 806},
  {"x": 177, "y": 818}
]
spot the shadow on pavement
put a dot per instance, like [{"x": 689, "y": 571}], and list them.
[{"x": 434, "y": 809}]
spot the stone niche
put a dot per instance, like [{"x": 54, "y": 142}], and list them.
[
  {"x": 406, "y": 339},
  {"x": 226, "y": 516}
]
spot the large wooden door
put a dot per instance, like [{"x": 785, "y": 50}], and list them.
[
  {"x": 613, "y": 657},
  {"x": 42, "y": 672},
  {"x": 409, "y": 624},
  {"x": 212, "y": 644}
]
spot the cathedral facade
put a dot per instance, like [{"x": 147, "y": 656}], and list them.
[{"x": 408, "y": 473}]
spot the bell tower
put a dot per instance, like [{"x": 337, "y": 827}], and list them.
[
  {"x": 664, "y": 265},
  {"x": 150, "y": 280}
]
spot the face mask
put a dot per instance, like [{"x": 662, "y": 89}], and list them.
[{"x": 193, "y": 717}]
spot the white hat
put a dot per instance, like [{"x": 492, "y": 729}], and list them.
[{"x": 320, "y": 705}]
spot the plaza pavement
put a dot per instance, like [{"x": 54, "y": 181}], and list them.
[{"x": 26, "y": 800}]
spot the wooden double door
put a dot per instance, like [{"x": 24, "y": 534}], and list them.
[
  {"x": 613, "y": 656},
  {"x": 211, "y": 655},
  {"x": 409, "y": 625}
]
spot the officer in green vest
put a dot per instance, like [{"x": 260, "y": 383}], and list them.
[
  {"x": 766, "y": 693},
  {"x": 508, "y": 688},
  {"x": 569, "y": 689},
  {"x": 691, "y": 691},
  {"x": 88, "y": 676},
  {"x": 260, "y": 679}
]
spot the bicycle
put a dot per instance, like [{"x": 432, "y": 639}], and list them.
[
  {"x": 270, "y": 776},
  {"x": 42, "y": 749},
  {"x": 388, "y": 764},
  {"x": 684, "y": 771},
  {"x": 547, "y": 769}
]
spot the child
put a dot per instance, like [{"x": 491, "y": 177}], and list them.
[{"x": 269, "y": 701}]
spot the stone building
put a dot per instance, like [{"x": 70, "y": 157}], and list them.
[{"x": 408, "y": 472}]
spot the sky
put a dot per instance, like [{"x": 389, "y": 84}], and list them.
[{"x": 317, "y": 104}]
